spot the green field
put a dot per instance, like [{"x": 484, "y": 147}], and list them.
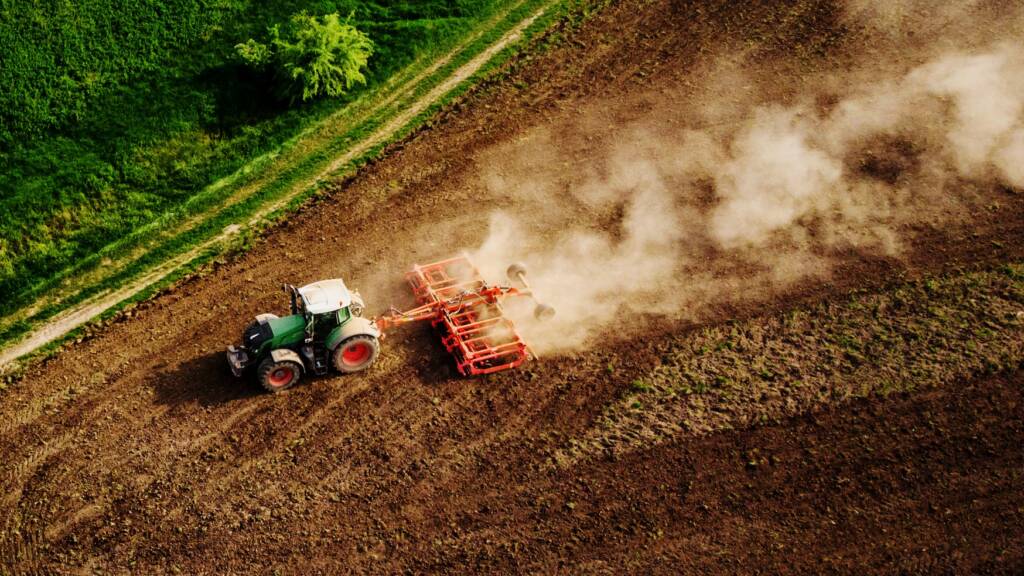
[{"x": 113, "y": 116}]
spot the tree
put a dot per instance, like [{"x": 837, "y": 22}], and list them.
[
  {"x": 253, "y": 53},
  {"x": 312, "y": 56}
]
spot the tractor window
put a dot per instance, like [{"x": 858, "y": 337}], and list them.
[{"x": 323, "y": 324}]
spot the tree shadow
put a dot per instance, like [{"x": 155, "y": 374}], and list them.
[
  {"x": 206, "y": 380},
  {"x": 242, "y": 96}
]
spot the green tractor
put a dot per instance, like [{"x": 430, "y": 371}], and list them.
[{"x": 325, "y": 329}]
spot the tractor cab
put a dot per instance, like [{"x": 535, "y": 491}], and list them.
[{"x": 325, "y": 305}]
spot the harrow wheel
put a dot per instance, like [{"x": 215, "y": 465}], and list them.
[
  {"x": 543, "y": 312},
  {"x": 278, "y": 376},
  {"x": 516, "y": 271},
  {"x": 355, "y": 354}
]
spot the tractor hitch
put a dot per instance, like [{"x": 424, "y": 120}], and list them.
[{"x": 238, "y": 359}]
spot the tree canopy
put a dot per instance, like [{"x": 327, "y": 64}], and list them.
[{"x": 312, "y": 56}]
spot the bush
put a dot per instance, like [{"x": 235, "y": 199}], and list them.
[
  {"x": 253, "y": 53},
  {"x": 312, "y": 56}
]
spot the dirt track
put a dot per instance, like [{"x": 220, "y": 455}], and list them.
[{"x": 136, "y": 450}]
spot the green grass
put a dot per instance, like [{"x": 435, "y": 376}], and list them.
[
  {"x": 113, "y": 119},
  {"x": 911, "y": 336}
]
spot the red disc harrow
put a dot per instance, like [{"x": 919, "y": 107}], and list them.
[{"x": 467, "y": 313}]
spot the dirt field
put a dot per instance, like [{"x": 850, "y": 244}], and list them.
[{"x": 136, "y": 451}]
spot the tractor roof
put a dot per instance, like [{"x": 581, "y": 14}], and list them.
[{"x": 325, "y": 296}]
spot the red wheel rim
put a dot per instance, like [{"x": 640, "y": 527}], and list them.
[
  {"x": 355, "y": 354},
  {"x": 280, "y": 377}
]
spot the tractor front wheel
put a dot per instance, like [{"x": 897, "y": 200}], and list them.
[
  {"x": 355, "y": 354},
  {"x": 278, "y": 376}
]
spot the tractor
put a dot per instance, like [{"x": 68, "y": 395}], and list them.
[{"x": 326, "y": 327}]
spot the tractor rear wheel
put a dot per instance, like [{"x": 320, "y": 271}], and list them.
[
  {"x": 278, "y": 376},
  {"x": 355, "y": 354}
]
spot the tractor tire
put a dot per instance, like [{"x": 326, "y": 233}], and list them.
[
  {"x": 278, "y": 376},
  {"x": 355, "y": 354}
]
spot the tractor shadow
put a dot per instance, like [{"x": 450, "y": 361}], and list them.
[{"x": 205, "y": 380}]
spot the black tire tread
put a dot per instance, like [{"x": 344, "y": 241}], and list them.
[{"x": 268, "y": 365}]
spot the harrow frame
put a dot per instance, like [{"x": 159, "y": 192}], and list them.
[{"x": 467, "y": 313}]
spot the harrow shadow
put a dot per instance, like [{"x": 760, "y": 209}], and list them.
[{"x": 204, "y": 379}]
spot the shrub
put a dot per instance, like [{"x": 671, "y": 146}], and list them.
[
  {"x": 311, "y": 56},
  {"x": 253, "y": 53}
]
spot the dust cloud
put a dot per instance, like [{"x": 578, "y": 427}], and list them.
[{"x": 701, "y": 200}]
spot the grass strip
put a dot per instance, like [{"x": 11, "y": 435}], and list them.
[{"x": 913, "y": 336}]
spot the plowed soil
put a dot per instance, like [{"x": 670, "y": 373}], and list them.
[{"x": 137, "y": 451}]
